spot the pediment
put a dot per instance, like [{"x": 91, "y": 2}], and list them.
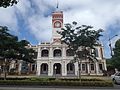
[{"x": 56, "y": 42}]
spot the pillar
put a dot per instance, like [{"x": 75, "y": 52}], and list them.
[
  {"x": 97, "y": 68},
  {"x": 51, "y": 53},
  {"x": 105, "y": 67},
  {"x": 50, "y": 68},
  {"x": 88, "y": 68},
  {"x": 38, "y": 68},
  {"x": 76, "y": 68},
  {"x": 12, "y": 65},
  {"x": 20, "y": 67},
  {"x": 39, "y": 52},
  {"x": 63, "y": 53},
  {"x": 64, "y": 68}
]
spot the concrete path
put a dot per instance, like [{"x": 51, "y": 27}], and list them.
[{"x": 30, "y": 88}]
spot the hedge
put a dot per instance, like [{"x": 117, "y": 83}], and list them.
[{"x": 57, "y": 83}]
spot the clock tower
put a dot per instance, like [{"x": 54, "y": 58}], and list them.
[{"x": 57, "y": 24}]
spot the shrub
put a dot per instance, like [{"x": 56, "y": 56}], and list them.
[
  {"x": 56, "y": 82},
  {"x": 83, "y": 79},
  {"x": 1, "y": 78},
  {"x": 38, "y": 79}
]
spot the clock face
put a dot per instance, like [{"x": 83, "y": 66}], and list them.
[{"x": 57, "y": 24}]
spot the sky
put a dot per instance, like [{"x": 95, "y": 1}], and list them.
[{"x": 31, "y": 19}]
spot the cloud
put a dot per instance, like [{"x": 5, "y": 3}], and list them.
[
  {"x": 40, "y": 27},
  {"x": 98, "y": 13},
  {"x": 8, "y": 18},
  {"x": 36, "y": 16}
]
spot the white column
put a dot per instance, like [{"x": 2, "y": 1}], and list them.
[
  {"x": 63, "y": 53},
  {"x": 105, "y": 67},
  {"x": 97, "y": 68},
  {"x": 29, "y": 68},
  {"x": 51, "y": 53},
  {"x": 12, "y": 64},
  {"x": 76, "y": 68},
  {"x": 39, "y": 52},
  {"x": 38, "y": 68},
  {"x": 65, "y": 73},
  {"x": 20, "y": 67},
  {"x": 50, "y": 68},
  {"x": 64, "y": 69},
  {"x": 88, "y": 68}
]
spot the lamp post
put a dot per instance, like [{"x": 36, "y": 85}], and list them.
[{"x": 110, "y": 44}]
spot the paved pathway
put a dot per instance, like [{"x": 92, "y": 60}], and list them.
[{"x": 27, "y": 88}]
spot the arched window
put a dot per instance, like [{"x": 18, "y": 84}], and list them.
[
  {"x": 70, "y": 68},
  {"x": 69, "y": 52},
  {"x": 92, "y": 66},
  {"x": 101, "y": 67},
  {"x": 83, "y": 67},
  {"x": 44, "y": 68},
  {"x": 57, "y": 69},
  {"x": 57, "y": 53},
  {"x": 96, "y": 52},
  {"x": 44, "y": 53}
]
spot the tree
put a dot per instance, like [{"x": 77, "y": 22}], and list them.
[
  {"x": 7, "y": 3},
  {"x": 24, "y": 53},
  {"x": 82, "y": 40},
  {"x": 116, "y": 57},
  {"x": 13, "y": 49}
]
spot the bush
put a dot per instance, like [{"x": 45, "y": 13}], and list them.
[
  {"x": 57, "y": 83},
  {"x": 83, "y": 79},
  {"x": 1, "y": 78},
  {"x": 38, "y": 79}
]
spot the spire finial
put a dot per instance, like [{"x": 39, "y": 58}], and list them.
[{"x": 57, "y": 4}]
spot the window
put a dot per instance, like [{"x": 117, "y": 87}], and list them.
[
  {"x": 45, "y": 68},
  {"x": 101, "y": 50},
  {"x": 44, "y": 53},
  {"x": 83, "y": 67},
  {"x": 57, "y": 53},
  {"x": 70, "y": 67},
  {"x": 96, "y": 52},
  {"x": 100, "y": 67},
  {"x": 69, "y": 52},
  {"x": 33, "y": 67},
  {"x": 92, "y": 66}
]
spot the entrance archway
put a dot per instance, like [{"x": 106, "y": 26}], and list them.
[
  {"x": 44, "y": 68},
  {"x": 70, "y": 68},
  {"x": 57, "y": 69}
]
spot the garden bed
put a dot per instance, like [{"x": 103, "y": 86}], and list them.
[{"x": 57, "y": 82}]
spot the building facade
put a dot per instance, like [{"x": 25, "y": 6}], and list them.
[{"x": 54, "y": 58}]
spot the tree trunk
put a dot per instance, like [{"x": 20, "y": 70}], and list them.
[
  {"x": 79, "y": 70},
  {"x": 5, "y": 70}
]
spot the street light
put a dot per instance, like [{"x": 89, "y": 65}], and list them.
[{"x": 110, "y": 44}]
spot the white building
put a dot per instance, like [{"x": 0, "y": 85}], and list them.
[{"x": 54, "y": 58}]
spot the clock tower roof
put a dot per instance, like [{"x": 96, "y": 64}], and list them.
[{"x": 57, "y": 7}]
